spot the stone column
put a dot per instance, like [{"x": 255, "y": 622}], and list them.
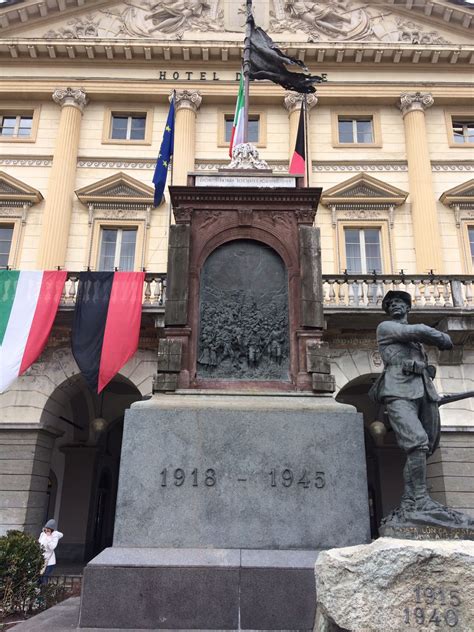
[
  {"x": 187, "y": 105},
  {"x": 58, "y": 206},
  {"x": 423, "y": 205},
  {"x": 292, "y": 103}
]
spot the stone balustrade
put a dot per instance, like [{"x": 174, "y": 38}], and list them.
[
  {"x": 427, "y": 291},
  {"x": 341, "y": 291},
  {"x": 154, "y": 291}
]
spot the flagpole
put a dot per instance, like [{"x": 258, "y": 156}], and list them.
[
  {"x": 170, "y": 210},
  {"x": 246, "y": 71},
  {"x": 306, "y": 143}
]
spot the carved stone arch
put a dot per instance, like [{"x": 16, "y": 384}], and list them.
[{"x": 267, "y": 237}]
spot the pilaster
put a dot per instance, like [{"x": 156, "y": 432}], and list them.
[
  {"x": 426, "y": 227},
  {"x": 187, "y": 103},
  {"x": 58, "y": 206}
]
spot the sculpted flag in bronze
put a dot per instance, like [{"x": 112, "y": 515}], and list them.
[
  {"x": 267, "y": 61},
  {"x": 406, "y": 390}
]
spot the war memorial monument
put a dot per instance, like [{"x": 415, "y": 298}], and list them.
[
  {"x": 242, "y": 473},
  {"x": 242, "y": 467}
]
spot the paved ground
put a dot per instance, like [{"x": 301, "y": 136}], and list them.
[{"x": 64, "y": 618}]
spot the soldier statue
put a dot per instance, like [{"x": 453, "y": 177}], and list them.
[{"x": 406, "y": 390}]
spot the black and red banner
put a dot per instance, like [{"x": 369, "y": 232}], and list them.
[
  {"x": 298, "y": 161},
  {"x": 106, "y": 323}
]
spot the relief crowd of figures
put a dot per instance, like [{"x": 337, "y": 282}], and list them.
[{"x": 243, "y": 337}]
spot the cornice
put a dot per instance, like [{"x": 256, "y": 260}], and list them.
[{"x": 142, "y": 51}]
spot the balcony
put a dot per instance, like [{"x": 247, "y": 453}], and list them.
[{"x": 358, "y": 296}]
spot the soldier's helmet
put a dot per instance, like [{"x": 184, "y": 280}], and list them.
[{"x": 395, "y": 294}]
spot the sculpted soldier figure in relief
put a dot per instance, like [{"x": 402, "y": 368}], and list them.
[{"x": 406, "y": 390}]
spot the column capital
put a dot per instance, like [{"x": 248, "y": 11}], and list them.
[
  {"x": 415, "y": 101},
  {"x": 74, "y": 97},
  {"x": 187, "y": 100},
  {"x": 293, "y": 101}
]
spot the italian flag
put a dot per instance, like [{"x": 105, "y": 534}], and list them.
[
  {"x": 237, "y": 135},
  {"x": 28, "y": 305}
]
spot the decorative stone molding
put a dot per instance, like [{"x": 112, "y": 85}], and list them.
[
  {"x": 293, "y": 101},
  {"x": 74, "y": 97},
  {"x": 415, "y": 101},
  {"x": 26, "y": 162},
  {"x": 359, "y": 167},
  {"x": 187, "y": 100}
]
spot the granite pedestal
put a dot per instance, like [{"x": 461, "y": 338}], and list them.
[{"x": 224, "y": 502}]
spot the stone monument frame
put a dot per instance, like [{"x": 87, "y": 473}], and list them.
[{"x": 280, "y": 218}]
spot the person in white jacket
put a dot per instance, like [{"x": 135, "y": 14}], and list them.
[{"x": 48, "y": 540}]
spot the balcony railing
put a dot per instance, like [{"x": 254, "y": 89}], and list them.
[
  {"x": 427, "y": 291},
  {"x": 154, "y": 290},
  {"x": 341, "y": 291}
]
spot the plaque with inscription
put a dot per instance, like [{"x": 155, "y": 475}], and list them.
[{"x": 243, "y": 330}]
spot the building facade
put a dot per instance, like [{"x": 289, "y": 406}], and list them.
[{"x": 84, "y": 95}]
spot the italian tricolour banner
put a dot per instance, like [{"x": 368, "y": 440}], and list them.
[
  {"x": 28, "y": 305},
  {"x": 106, "y": 323},
  {"x": 237, "y": 135}
]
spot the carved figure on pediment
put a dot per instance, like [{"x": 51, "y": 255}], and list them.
[
  {"x": 348, "y": 20},
  {"x": 130, "y": 20},
  {"x": 169, "y": 16},
  {"x": 333, "y": 19}
]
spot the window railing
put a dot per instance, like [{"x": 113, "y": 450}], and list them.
[{"x": 341, "y": 291}]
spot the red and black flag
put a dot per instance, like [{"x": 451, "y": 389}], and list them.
[
  {"x": 298, "y": 161},
  {"x": 106, "y": 323}
]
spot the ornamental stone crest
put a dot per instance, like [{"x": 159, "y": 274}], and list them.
[{"x": 245, "y": 156}]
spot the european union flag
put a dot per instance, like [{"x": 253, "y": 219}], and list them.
[{"x": 163, "y": 160}]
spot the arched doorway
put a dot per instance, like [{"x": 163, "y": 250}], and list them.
[
  {"x": 86, "y": 461},
  {"x": 384, "y": 458}
]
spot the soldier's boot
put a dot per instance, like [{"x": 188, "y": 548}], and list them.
[
  {"x": 407, "y": 502},
  {"x": 416, "y": 463}
]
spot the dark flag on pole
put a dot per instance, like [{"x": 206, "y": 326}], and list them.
[
  {"x": 163, "y": 160},
  {"x": 267, "y": 61},
  {"x": 298, "y": 161}
]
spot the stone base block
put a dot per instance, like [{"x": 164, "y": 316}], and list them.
[
  {"x": 226, "y": 589},
  {"x": 396, "y": 585},
  {"x": 242, "y": 472}
]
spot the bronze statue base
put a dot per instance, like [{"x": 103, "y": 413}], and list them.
[
  {"x": 437, "y": 523},
  {"x": 426, "y": 532}
]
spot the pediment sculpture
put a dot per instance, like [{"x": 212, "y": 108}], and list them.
[{"x": 316, "y": 20}]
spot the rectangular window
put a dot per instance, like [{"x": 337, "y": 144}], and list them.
[
  {"x": 363, "y": 250},
  {"x": 127, "y": 126},
  {"x": 6, "y": 236},
  {"x": 16, "y": 125},
  {"x": 355, "y": 130},
  {"x": 254, "y": 127},
  {"x": 117, "y": 249},
  {"x": 463, "y": 131}
]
